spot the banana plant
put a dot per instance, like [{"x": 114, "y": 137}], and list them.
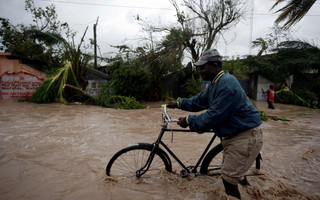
[{"x": 73, "y": 73}]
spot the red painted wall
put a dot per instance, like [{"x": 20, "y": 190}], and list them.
[{"x": 18, "y": 80}]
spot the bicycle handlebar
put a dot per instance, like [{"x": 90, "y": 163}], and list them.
[
  {"x": 167, "y": 119},
  {"x": 166, "y": 116}
]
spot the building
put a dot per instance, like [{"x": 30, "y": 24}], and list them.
[
  {"x": 95, "y": 79},
  {"x": 17, "y": 80},
  {"x": 258, "y": 82}
]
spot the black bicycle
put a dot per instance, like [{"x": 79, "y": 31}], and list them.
[{"x": 146, "y": 158}]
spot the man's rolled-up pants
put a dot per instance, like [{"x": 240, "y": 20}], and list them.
[{"x": 240, "y": 151}]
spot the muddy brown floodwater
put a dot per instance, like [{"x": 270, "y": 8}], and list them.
[{"x": 56, "y": 151}]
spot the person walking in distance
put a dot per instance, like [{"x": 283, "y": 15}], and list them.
[
  {"x": 230, "y": 114},
  {"x": 270, "y": 96}
]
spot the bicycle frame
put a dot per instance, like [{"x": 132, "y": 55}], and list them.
[{"x": 166, "y": 120}]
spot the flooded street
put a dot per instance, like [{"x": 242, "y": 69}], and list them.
[{"x": 56, "y": 151}]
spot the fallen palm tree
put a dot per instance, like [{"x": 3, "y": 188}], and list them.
[{"x": 71, "y": 75}]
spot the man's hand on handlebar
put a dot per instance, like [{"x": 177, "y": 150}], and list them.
[
  {"x": 172, "y": 104},
  {"x": 182, "y": 122}
]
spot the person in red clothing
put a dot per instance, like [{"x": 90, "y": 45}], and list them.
[{"x": 270, "y": 96}]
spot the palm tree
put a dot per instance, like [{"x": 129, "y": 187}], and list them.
[
  {"x": 262, "y": 44},
  {"x": 293, "y": 12},
  {"x": 71, "y": 75}
]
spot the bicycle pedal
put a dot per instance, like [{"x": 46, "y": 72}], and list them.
[{"x": 184, "y": 173}]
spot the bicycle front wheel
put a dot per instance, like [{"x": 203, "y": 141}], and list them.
[{"x": 127, "y": 161}]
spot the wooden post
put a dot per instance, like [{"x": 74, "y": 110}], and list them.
[{"x": 95, "y": 43}]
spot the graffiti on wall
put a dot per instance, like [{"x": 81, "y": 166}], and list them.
[
  {"x": 94, "y": 86},
  {"x": 18, "y": 85}
]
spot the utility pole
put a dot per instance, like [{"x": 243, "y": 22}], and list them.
[
  {"x": 251, "y": 27},
  {"x": 95, "y": 42}
]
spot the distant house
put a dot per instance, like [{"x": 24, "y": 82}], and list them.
[
  {"x": 95, "y": 80},
  {"x": 258, "y": 82},
  {"x": 18, "y": 80}
]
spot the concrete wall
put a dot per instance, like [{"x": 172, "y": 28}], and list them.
[
  {"x": 95, "y": 79},
  {"x": 94, "y": 86},
  {"x": 263, "y": 83},
  {"x": 18, "y": 80}
]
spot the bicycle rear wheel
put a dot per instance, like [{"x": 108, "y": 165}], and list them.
[
  {"x": 127, "y": 161},
  {"x": 212, "y": 163}
]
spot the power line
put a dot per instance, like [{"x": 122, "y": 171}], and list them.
[
  {"x": 107, "y": 5},
  {"x": 288, "y": 1},
  {"x": 140, "y": 7},
  {"x": 272, "y": 14}
]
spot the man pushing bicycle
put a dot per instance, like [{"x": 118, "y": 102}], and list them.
[{"x": 230, "y": 114}]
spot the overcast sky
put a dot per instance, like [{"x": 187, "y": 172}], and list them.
[{"x": 116, "y": 23}]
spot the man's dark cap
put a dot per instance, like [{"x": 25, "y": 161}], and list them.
[{"x": 209, "y": 55}]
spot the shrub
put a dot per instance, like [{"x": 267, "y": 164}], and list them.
[
  {"x": 107, "y": 98},
  {"x": 192, "y": 87},
  {"x": 105, "y": 94},
  {"x": 308, "y": 96},
  {"x": 131, "y": 80},
  {"x": 125, "y": 102},
  {"x": 263, "y": 115},
  {"x": 288, "y": 97}
]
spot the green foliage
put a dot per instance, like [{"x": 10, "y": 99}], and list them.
[
  {"x": 53, "y": 86},
  {"x": 293, "y": 11},
  {"x": 105, "y": 95},
  {"x": 139, "y": 73},
  {"x": 272, "y": 40},
  {"x": 39, "y": 42},
  {"x": 176, "y": 39},
  {"x": 297, "y": 56},
  {"x": 44, "y": 93},
  {"x": 131, "y": 80},
  {"x": 236, "y": 68},
  {"x": 260, "y": 43},
  {"x": 291, "y": 58},
  {"x": 192, "y": 87},
  {"x": 78, "y": 59},
  {"x": 23, "y": 42},
  {"x": 263, "y": 115},
  {"x": 288, "y": 97},
  {"x": 107, "y": 98},
  {"x": 269, "y": 67},
  {"x": 45, "y": 19},
  {"x": 73, "y": 73},
  {"x": 125, "y": 102},
  {"x": 310, "y": 97}
]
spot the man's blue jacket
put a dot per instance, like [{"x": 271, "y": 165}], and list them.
[{"x": 229, "y": 109}]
